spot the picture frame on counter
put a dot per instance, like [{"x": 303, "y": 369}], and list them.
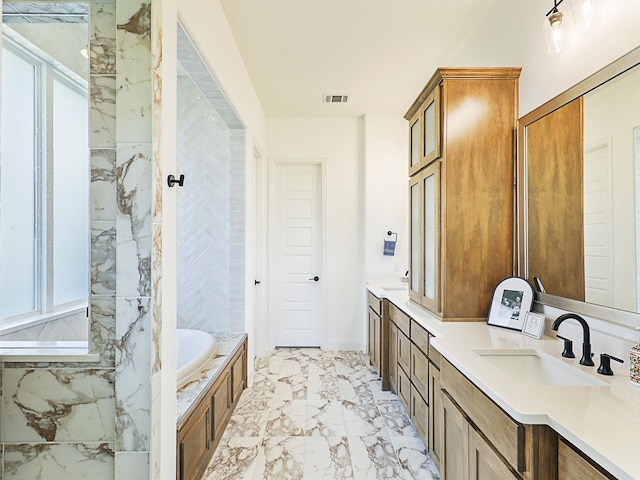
[
  {"x": 512, "y": 300},
  {"x": 533, "y": 325}
]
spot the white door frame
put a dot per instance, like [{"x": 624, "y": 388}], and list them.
[
  {"x": 260, "y": 224},
  {"x": 273, "y": 163}
]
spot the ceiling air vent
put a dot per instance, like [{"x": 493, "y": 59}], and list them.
[{"x": 335, "y": 98}]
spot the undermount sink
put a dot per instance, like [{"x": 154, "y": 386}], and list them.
[{"x": 530, "y": 367}]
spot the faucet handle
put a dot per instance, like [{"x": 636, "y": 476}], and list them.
[
  {"x": 605, "y": 365},
  {"x": 568, "y": 347}
]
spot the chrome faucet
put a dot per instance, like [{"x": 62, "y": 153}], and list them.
[{"x": 586, "y": 336}]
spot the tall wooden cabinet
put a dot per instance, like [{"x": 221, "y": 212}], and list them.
[{"x": 462, "y": 163}]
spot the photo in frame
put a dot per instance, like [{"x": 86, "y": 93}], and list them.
[
  {"x": 512, "y": 299},
  {"x": 533, "y": 325}
]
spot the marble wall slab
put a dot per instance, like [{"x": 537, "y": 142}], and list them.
[
  {"x": 102, "y": 111},
  {"x": 102, "y": 41},
  {"x": 55, "y": 461},
  {"x": 133, "y": 223},
  {"x": 133, "y": 374},
  {"x": 103, "y": 258},
  {"x": 133, "y": 49},
  {"x": 58, "y": 405}
]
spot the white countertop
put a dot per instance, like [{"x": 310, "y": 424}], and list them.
[{"x": 602, "y": 421}]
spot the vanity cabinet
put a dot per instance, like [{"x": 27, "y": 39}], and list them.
[
  {"x": 200, "y": 432},
  {"x": 461, "y": 189},
  {"x": 409, "y": 368},
  {"x": 377, "y": 337}
]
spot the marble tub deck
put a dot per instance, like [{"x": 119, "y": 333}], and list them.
[
  {"x": 313, "y": 414},
  {"x": 189, "y": 393}
]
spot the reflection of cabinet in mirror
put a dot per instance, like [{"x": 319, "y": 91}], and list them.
[
  {"x": 461, "y": 189},
  {"x": 555, "y": 201}
]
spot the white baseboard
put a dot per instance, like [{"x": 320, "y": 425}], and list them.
[{"x": 346, "y": 345}]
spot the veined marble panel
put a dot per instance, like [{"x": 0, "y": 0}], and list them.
[
  {"x": 133, "y": 45},
  {"x": 55, "y": 461},
  {"x": 58, "y": 405},
  {"x": 103, "y": 258},
  {"x": 102, "y": 334},
  {"x": 102, "y": 38},
  {"x": 103, "y": 184},
  {"x": 133, "y": 374},
  {"x": 133, "y": 166},
  {"x": 373, "y": 458},
  {"x": 156, "y": 296},
  {"x": 102, "y": 111},
  {"x": 155, "y": 456},
  {"x": 132, "y": 465}
]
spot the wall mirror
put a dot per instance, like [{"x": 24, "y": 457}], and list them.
[
  {"x": 579, "y": 195},
  {"x": 45, "y": 162}
]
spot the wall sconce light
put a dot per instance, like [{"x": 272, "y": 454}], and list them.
[{"x": 553, "y": 29}]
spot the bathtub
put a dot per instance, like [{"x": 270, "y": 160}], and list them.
[{"x": 194, "y": 349}]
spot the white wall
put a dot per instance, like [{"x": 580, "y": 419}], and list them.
[
  {"x": 386, "y": 193},
  {"x": 339, "y": 141}
]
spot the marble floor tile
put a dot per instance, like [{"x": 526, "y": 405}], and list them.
[
  {"x": 316, "y": 414},
  {"x": 234, "y": 458},
  {"x": 325, "y": 419},
  {"x": 373, "y": 458},
  {"x": 281, "y": 458},
  {"x": 327, "y": 458},
  {"x": 414, "y": 459}
]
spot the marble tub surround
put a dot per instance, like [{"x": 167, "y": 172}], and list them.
[
  {"x": 317, "y": 414},
  {"x": 189, "y": 394},
  {"x": 584, "y": 415}
]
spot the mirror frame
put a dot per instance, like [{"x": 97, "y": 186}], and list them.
[{"x": 620, "y": 317}]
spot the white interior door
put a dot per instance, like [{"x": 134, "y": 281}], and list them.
[
  {"x": 598, "y": 224},
  {"x": 297, "y": 248}
]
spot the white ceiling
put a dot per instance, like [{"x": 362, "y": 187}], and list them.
[{"x": 379, "y": 52}]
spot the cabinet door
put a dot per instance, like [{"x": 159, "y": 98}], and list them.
[
  {"x": 238, "y": 376},
  {"x": 372, "y": 338},
  {"x": 424, "y": 237},
  {"x": 415, "y": 234},
  {"x": 393, "y": 357},
  {"x": 415, "y": 143},
  {"x": 430, "y": 248},
  {"x": 194, "y": 444},
  {"x": 455, "y": 458},
  {"x": 436, "y": 417},
  {"x": 430, "y": 117},
  {"x": 404, "y": 352},
  {"x": 221, "y": 405},
  {"x": 404, "y": 388},
  {"x": 484, "y": 463}
]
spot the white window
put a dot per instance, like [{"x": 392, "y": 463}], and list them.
[{"x": 44, "y": 190}]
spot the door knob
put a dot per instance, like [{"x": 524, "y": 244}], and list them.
[{"x": 315, "y": 279}]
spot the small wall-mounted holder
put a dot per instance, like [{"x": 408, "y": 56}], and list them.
[
  {"x": 171, "y": 181},
  {"x": 390, "y": 245}
]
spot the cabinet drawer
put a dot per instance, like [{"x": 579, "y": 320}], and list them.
[
  {"x": 434, "y": 356},
  {"x": 404, "y": 351},
  {"x": 502, "y": 431},
  {"x": 399, "y": 318},
  {"x": 419, "y": 336},
  {"x": 404, "y": 388},
  {"x": 375, "y": 303},
  {"x": 420, "y": 414},
  {"x": 572, "y": 465},
  {"x": 420, "y": 371}
]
